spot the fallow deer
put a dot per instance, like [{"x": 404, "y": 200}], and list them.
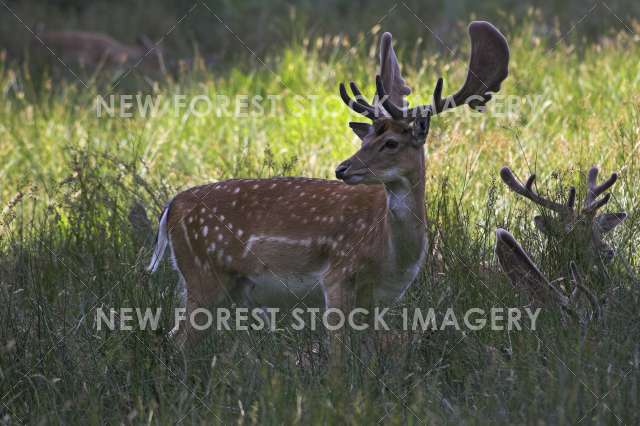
[
  {"x": 92, "y": 50},
  {"x": 359, "y": 241},
  {"x": 578, "y": 232}
]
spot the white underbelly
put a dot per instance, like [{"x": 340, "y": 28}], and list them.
[{"x": 287, "y": 290}]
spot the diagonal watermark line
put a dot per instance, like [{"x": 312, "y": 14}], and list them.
[
  {"x": 78, "y": 322},
  {"x": 379, "y": 379},
  {"x": 176, "y": 377},
  {"x": 385, "y": 16},
  {"x": 436, "y": 365},
  {"x": 604, "y": 396},
  {"x": 20, "y": 421},
  {"x": 155, "y": 46},
  {"x": 590, "y": 11},
  {"x": 250, "y": 50},
  {"x": 44, "y": 44},
  {"x": 441, "y": 41},
  {"x": 574, "y": 26},
  {"x": 604, "y": 3}
]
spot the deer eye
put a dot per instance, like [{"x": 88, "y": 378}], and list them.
[{"x": 390, "y": 144}]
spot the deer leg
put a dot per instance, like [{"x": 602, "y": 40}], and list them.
[
  {"x": 202, "y": 291},
  {"x": 338, "y": 300}
]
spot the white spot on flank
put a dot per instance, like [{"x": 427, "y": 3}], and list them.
[
  {"x": 186, "y": 236},
  {"x": 221, "y": 218},
  {"x": 275, "y": 239},
  {"x": 201, "y": 220},
  {"x": 240, "y": 232},
  {"x": 235, "y": 191},
  {"x": 212, "y": 248},
  {"x": 256, "y": 186},
  {"x": 220, "y": 237},
  {"x": 216, "y": 228},
  {"x": 233, "y": 203},
  {"x": 273, "y": 185},
  {"x": 228, "y": 259},
  {"x": 202, "y": 210},
  {"x": 205, "y": 231},
  {"x": 190, "y": 219}
]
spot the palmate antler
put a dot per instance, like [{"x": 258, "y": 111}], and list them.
[{"x": 488, "y": 67}]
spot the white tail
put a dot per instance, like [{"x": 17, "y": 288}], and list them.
[
  {"x": 162, "y": 240},
  {"x": 359, "y": 242}
]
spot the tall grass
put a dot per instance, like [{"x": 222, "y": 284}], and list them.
[{"x": 68, "y": 246}]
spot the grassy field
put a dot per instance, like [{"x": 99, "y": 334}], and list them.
[{"x": 69, "y": 179}]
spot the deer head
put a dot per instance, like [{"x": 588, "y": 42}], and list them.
[
  {"x": 582, "y": 229},
  {"x": 579, "y": 230},
  {"x": 392, "y": 145}
]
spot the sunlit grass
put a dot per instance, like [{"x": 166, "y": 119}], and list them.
[{"x": 69, "y": 178}]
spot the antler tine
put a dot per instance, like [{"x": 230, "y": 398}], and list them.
[
  {"x": 359, "y": 96},
  {"x": 591, "y": 202},
  {"x": 438, "y": 103},
  {"x": 527, "y": 191},
  {"x": 366, "y": 110}
]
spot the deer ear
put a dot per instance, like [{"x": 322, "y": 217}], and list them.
[
  {"x": 392, "y": 80},
  {"x": 421, "y": 129},
  {"x": 361, "y": 129},
  {"x": 522, "y": 272},
  {"x": 608, "y": 221}
]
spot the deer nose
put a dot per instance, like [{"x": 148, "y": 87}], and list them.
[{"x": 342, "y": 168}]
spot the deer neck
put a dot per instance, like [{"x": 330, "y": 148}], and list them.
[{"x": 405, "y": 218}]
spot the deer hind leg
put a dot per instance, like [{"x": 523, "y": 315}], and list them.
[{"x": 201, "y": 292}]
